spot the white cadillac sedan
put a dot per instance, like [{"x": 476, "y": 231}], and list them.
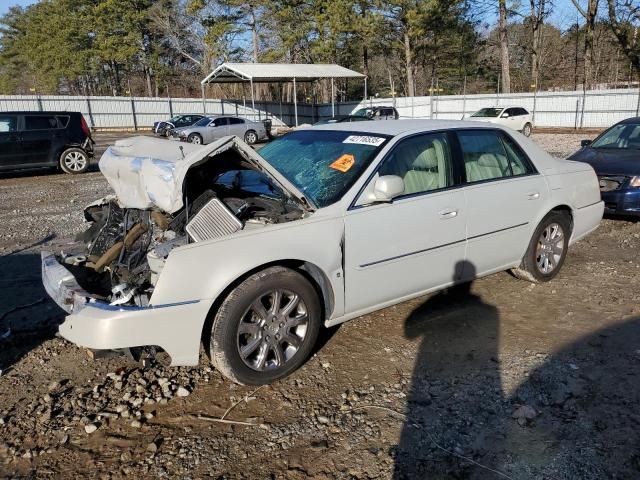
[{"x": 251, "y": 254}]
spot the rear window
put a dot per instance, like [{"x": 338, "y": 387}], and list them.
[{"x": 40, "y": 122}]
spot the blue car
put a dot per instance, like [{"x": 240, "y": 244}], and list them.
[{"x": 615, "y": 156}]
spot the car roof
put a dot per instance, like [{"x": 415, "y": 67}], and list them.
[
  {"x": 631, "y": 120},
  {"x": 401, "y": 127},
  {"x": 31, "y": 112}
]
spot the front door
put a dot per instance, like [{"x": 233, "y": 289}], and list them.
[
  {"x": 416, "y": 242},
  {"x": 218, "y": 128},
  {"x": 504, "y": 195},
  {"x": 10, "y": 144}
]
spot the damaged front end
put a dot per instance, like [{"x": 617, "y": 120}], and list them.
[{"x": 166, "y": 196}]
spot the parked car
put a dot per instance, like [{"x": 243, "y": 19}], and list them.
[
  {"x": 615, "y": 156},
  {"x": 377, "y": 113},
  {"x": 163, "y": 127},
  {"x": 517, "y": 118},
  {"x": 342, "y": 119},
  {"x": 255, "y": 252},
  {"x": 30, "y": 140},
  {"x": 217, "y": 127}
]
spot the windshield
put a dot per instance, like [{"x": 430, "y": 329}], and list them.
[
  {"x": 175, "y": 119},
  {"x": 203, "y": 122},
  {"x": 622, "y": 136},
  {"x": 323, "y": 164},
  {"x": 487, "y": 112},
  {"x": 363, "y": 112}
]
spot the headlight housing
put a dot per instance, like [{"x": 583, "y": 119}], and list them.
[{"x": 635, "y": 182}]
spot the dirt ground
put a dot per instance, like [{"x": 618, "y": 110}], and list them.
[{"x": 502, "y": 380}]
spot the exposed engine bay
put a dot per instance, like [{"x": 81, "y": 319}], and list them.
[{"x": 119, "y": 258}]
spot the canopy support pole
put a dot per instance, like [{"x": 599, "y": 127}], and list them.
[
  {"x": 295, "y": 99},
  {"x": 333, "y": 100},
  {"x": 253, "y": 101},
  {"x": 365, "y": 89},
  {"x": 204, "y": 101}
]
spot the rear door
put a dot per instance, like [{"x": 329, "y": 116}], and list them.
[
  {"x": 10, "y": 143},
  {"x": 237, "y": 126},
  {"x": 37, "y": 138},
  {"x": 504, "y": 197}
]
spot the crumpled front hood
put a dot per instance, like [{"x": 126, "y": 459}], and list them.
[{"x": 149, "y": 172}]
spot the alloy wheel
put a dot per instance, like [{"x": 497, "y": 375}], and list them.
[
  {"x": 272, "y": 330},
  {"x": 75, "y": 161},
  {"x": 550, "y": 248}
]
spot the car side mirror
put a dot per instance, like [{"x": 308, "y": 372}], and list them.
[
  {"x": 504, "y": 115},
  {"x": 387, "y": 187},
  {"x": 585, "y": 143}
]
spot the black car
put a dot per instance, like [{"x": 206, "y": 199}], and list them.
[
  {"x": 615, "y": 156},
  {"x": 342, "y": 119},
  {"x": 162, "y": 127},
  {"x": 45, "y": 139},
  {"x": 377, "y": 113}
]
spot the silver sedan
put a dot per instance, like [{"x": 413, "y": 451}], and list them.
[{"x": 222, "y": 126}]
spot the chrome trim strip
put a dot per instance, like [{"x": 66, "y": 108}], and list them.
[
  {"x": 376, "y": 262},
  {"x": 125, "y": 308}
]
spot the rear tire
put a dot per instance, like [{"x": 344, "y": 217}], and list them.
[
  {"x": 251, "y": 137},
  {"x": 258, "y": 335},
  {"x": 527, "y": 129},
  {"x": 195, "y": 138},
  {"x": 547, "y": 250},
  {"x": 74, "y": 160}
]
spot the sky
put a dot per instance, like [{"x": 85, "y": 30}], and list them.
[{"x": 564, "y": 13}]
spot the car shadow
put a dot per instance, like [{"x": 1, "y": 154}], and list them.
[
  {"x": 28, "y": 317},
  {"x": 575, "y": 415}
]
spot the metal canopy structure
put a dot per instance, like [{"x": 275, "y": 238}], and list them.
[{"x": 280, "y": 73}]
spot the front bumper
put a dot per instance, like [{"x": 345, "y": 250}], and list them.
[
  {"x": 93, "y": 323},
  {"x": 622, "y": 202}
]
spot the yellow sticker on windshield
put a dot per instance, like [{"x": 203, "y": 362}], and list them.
[{"x": 344, "y": 163}]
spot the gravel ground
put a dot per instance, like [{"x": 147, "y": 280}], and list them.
[{"x": 502, "y": 380}]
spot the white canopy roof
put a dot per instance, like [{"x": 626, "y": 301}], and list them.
[{"x": 277, "y": 72}]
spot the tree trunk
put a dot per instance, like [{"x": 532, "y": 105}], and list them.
[
  {"x": 408, "y": 65},
  {"x": 504, "y": 46},
  {"x": 590, "y": 20}
]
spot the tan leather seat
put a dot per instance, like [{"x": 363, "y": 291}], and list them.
[{"x": 423, "y": 175}]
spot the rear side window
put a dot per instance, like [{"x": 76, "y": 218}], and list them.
[
  {"x": 63, "y": 121},
  {"x": 235, "y": 121},
  {"x": 8, "y": 123},
  {"x": 491, "y": 155},
  {"x": 40, "y": 122}
]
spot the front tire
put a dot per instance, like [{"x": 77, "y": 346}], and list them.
[
  {"x": 547, "y": 250},
  {"x": 74, "y": 161},
  {"x": 195, "y": 138},
  {"x": 266, "y": 327},
  {"x": 527, "y": 129}
]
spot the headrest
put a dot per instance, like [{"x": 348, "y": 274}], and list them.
[
  {"x": 490, "y": 160},
  {"x": 426, "y": 160}
]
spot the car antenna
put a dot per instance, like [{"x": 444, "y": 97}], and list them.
[{"x": 181, "y": 151}]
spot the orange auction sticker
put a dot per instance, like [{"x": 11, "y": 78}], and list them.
[{"x": 344, "y": 163}]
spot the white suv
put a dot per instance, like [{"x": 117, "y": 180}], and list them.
[{"x": 517, "y": 118}]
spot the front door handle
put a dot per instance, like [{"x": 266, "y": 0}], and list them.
[
  {"x": 448, "y": 213},
  {"x": 533, "y": 195}
]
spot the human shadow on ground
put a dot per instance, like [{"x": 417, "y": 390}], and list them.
[
  {"x": 28, "y": 317},
  {"x": 579, "y": 408}
]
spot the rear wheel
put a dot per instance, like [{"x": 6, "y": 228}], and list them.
[
  {"x": 547, "y": 250},
  {"x": 266, "y": 327},
  {"x": 74, "y": 160},
  {"x": 195, "y": 138},
  {"x": 527, "y": 129},
  {"x": 251, "y": 137}
]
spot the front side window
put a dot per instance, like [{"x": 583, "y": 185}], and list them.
[
  {"x": 485, "y": 156},
  {"x": 423, "y": 162},
  {"x": 220, "y": 122},
  {"x": 40, "y": 122},
  {"x": 625, "y": 136},
  {"x": 487, "y": 113},
  {"x": 323, "y": 164},
  {"x": 8, "y": 123}
]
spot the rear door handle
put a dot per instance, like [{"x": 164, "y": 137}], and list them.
[
  {"x": 533, "y": 195},
  {"x": 448, "y": 213}
]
